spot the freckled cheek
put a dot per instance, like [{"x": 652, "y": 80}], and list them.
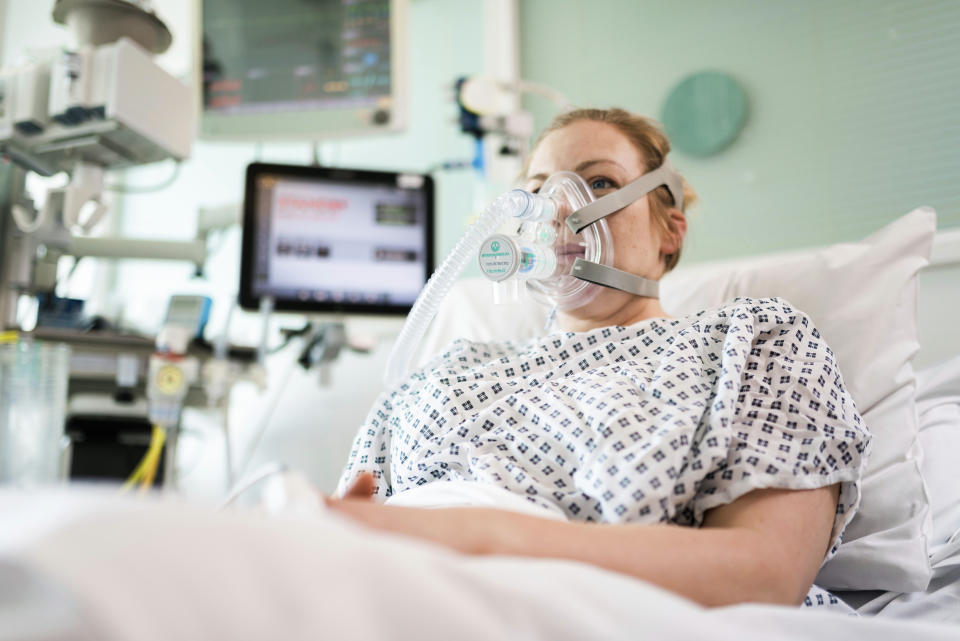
[{"x": 634, "y": 245}]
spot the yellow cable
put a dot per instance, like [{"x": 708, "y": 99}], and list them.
[
  {"x": 146, "y": 470},
  {"x": 138, "y": 471},
  {"x": 134, "y": 477},
  {"x": 149, "y": 469},
  {"x": 154, "y": 458}
]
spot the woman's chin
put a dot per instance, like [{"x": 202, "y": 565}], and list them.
[{"x": 602, "y": 309}]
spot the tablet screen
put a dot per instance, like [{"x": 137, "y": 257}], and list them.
[{"x": 321, "y": 239}]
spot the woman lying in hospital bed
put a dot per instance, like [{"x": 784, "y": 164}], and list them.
[{"x": 717, "y": 455}]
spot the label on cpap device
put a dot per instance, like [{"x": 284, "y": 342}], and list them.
[{"x": 499, "y": 257}]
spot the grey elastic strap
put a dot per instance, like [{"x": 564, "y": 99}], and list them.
[
  {"x": 615, "y": 278},
  {"x": 613, "y": 202}
]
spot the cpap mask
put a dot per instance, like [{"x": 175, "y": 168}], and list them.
[
  {"x": 556, "y": 241},
  {"x": 560, "y": 245}
]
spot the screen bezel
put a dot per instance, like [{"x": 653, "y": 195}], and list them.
[
  {"x": 308, "y": 123},
  {"x": 250, "y": 301}
]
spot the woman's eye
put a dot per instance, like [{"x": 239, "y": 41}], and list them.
[{"x": 598, "y": 184}]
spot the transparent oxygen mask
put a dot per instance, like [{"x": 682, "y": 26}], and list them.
[{"x": 539, "y": 250}]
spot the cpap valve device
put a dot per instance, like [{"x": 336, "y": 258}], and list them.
[
  {"x": 556, "y": 241},
  {"x": 538, "y": 250}
]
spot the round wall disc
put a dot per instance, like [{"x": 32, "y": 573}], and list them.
[{"x": 705, "y": 113}]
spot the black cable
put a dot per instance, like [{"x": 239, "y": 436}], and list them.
[{"x": 289, "y": 335}]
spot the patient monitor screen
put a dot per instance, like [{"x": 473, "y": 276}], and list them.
[
  {"x": 328, "y": 66},
  {"x": 319, "y": 239},
  {"x": 272, "y": 56}
]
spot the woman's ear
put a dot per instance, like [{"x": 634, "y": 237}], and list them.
[{"x": 673, "y": 238}]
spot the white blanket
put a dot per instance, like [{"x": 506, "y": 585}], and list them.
[{"x": 77, "y": 566}]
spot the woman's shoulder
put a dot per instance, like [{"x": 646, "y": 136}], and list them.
[
  {"x": 779, "y": 310},
  {"x": 753, "y": 316}
]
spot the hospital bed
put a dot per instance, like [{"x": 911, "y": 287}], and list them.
[{"x": 90, "y": 565}]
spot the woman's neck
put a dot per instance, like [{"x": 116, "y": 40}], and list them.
[{"x": 634, "y": 310}]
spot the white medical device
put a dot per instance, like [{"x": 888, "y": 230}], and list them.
[
  {"x": 190, "y": 312},
  {"x": 109, "y": 106},
  {"x": 102, "y": 105}
]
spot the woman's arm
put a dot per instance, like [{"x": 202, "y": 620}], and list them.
[{"x": 766, "y": 546}]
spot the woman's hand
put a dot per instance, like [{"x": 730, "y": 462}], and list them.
[
  {"x": 466, "y": 530},
  {"x": 362, "y": 488}
]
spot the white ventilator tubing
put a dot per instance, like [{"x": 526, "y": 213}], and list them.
[{"x": 516, "y": 203}]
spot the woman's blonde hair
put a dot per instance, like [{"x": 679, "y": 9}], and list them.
[{"x": 653, "y": 147}]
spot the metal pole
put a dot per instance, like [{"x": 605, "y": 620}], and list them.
[
  {"x": 502, "y": 61},
  {"x": 12, "y": 246},
  {"x": 194, "y": 251}
]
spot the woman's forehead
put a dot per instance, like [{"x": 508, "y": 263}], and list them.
[{"x": 567, "y": 148}]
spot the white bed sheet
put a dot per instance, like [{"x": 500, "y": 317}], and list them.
[
  {"x": 939, "y": 603},
  {"x": 104, "y": 569},
  {"x": 938, "y": 405}
]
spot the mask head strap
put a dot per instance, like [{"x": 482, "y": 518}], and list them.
[
  {"x": 615, "y": 278},
  {"x": 664, "y": 175}
]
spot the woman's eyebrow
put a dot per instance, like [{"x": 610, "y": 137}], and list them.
[{"x": 586, "y": 164}]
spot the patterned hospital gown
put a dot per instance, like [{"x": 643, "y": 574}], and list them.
[{"x": 656, "y": 422}]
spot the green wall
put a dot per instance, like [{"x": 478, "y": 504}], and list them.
[{"x": 854, "y": 105}]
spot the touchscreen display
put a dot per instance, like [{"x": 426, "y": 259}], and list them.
[{"x": 346, "y": 239}]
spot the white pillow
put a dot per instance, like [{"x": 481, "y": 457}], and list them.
[
  {"x": 862, "y": 296},
  {"x": 938, "y": 403}
]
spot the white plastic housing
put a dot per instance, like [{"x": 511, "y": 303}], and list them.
[{"x": 111, "y": 106}]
